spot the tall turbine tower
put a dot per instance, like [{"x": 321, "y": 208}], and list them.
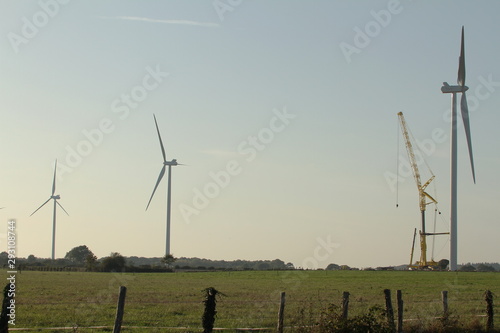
[
  {"x": 454, "y": 90},
  {"x": 162, "y": 173},
  {"x": 55, "y": 198}
]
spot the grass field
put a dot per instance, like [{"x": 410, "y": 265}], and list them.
[{"x": 60, "y": 299}]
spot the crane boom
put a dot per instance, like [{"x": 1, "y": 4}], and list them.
[{"x": 424, "y": 198}]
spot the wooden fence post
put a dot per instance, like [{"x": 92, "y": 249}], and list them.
[
  {"x": 208, "y": 318},
  {"x": 345, "y": 304},
  {"x": 389, "y": 309},
  {"x": 120, "y": 309},
  {"x": 488, "y": 296},
  {"x": 281, "y": 312},
  {"x": 400, "y": 311},
  {"x": 444, "y": 297}
]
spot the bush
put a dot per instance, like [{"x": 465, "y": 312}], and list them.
[
  {"x": 114, "y": 263},
  {"x": 374, "y": 321},
  {"x": 467, "y": 268}
]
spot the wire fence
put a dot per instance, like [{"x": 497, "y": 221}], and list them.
[
  {"x": 87, "y": 302},
  {"x": 88, "y": 315}
]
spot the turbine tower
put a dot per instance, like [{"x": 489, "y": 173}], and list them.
[
  {"x": 55, "y": 198},
  {"x": 454, "y": 90},
  {"x": 162, "y": 173}
]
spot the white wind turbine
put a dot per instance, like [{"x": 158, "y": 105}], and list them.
[
  {"x": 162, "y": 173},
  {"x": 454, "y": 90},
  {"x": 55, "y": 198}
]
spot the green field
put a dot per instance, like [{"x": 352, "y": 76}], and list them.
[{"x": 159, "y": 300}]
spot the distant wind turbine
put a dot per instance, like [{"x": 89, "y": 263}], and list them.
[
  {"x": 162, "y": 173},
  {"x": 55, "y": 198},
  {"x": 454, "y": 90}
]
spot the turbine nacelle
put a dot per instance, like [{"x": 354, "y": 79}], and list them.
[
  {"x": 172, "y": 162},
  {"x": 447, "y": 89},
  {"x": 56, "y": 197}
]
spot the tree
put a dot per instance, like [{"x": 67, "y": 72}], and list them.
[
  {"x": 168, "y": 259},
  {"x": 263, "y": 266},
  {"x": 90, "y": 262},
  {"x": 114, "y": 263},
  {"x": 485, "y": 268},
  {"x": 332, "y": 267},
  {"x": 31, "y": 258},
  {"x": 78, "y": 254},
  {"x": 277, "y": 264},
  {"x": 467, "y": 268},
  {"x": 4, "y": 257}
]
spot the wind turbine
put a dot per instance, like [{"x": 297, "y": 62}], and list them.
[
  {"x": 55, "y": 198},
  {"x": 454, "y": 90},
  {"x": 162, "y": 173}
]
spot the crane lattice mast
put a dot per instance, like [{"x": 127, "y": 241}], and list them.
[{"x": 424, "y": 197}]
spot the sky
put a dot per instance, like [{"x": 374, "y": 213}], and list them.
[{"x": 284, "y": 114}]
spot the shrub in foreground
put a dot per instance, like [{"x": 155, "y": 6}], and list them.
[{"x": 374, "y": 321}]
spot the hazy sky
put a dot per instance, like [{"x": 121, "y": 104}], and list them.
[{"x": 284, "y": 112}]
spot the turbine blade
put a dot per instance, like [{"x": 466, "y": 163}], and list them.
[
  {"x": 57, "y": 202},
  {"x": 465, "y": 118},
  {"x": 41, "y": 206},
  {"x": 161, "y": 143},
  {"x": 461, "y": 63},
  {"x": 162, "y": 172},
  {"x": 54, "y": 181}
]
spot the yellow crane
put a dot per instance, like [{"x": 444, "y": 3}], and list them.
[{"x": 424, "y": 200}]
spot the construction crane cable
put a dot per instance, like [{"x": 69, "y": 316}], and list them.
[
  {"x": 434, "y": 231},
  {"x": 397, "y": 166},
  {"x": 444, "y": 222}
]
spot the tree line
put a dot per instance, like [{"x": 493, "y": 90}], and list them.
[{"x": 83, "y": 259}]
